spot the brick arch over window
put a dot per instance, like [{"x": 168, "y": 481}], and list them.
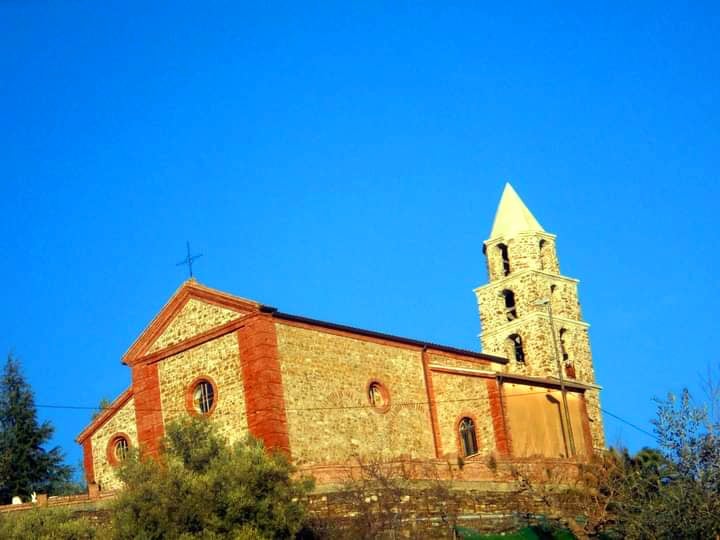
[
  {"x": 191, "y": 398},
  {"x": 117, "y": 448}
]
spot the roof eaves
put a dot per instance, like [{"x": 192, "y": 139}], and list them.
[{"x": 380, "y": 335}]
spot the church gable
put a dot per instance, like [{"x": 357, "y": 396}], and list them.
[
  {"x": 194, "y": 318},
  {"x": 192, "y": 311}
]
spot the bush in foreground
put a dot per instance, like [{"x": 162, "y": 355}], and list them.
[
  {"x": 203, "y": 488},
  {"x": 49, "y": 524}
]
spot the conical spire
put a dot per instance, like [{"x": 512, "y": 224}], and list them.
[{"x": 513, "y": 216}]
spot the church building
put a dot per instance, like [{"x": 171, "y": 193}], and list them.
[{"x": 324, "y": 393}]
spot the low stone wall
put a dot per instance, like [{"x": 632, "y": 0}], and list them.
[
  {"x": 427, "y": 512},
  {"x": 413, "y": 499},
  {"x": 73, "y": 501}
]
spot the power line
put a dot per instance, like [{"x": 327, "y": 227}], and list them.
[
  {"x": 348, "y": 407},
  {"x": 290, "y": 409},
  {"x": 626, "y": 422}
]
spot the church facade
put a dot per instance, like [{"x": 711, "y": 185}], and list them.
[{"x": 324, "y": 393}]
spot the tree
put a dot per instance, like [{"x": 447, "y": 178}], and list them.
[
  {"x": 25, "y": 465},
  {"x": 202, "y": 488},
  {"x": 101, "y": 408}
]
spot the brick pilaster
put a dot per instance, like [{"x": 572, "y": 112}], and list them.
[
  {"x": 432, "y": 404},
  {"x": 148, "y": 407},
  {"x": 262, "y": 381},
  {"x": 88, "y": 464},
  {"x": 497, "y": 411}
]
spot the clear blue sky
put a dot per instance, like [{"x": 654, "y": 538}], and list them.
[{"x": 344, "y": 162}]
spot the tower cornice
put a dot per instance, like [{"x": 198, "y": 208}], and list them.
[
  {"x": 520, "y": 322},
  {"x": 503, "y": 239},
  {"x": 512, "y": 277}
]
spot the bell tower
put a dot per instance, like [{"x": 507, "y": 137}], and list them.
[{"x": 529, "y": 312}]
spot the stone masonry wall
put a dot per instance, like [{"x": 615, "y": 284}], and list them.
[
  {"x": 524, "y": 253},
  {"x": 459, "y": 396},
  {"x": 325, "y": 379},
  {"x": 195, "y": 318},
  {"x": 220, "y": 361},
  {"x": 463, "y": 363},
  {"x": 123, "y": 421},
  {"x": 540, "y": 359},
  {"x": 592, "y": 401},
  {"x": 528, "y": 287}
]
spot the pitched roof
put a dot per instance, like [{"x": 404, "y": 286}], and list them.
[{"x": 513, "y": 216}]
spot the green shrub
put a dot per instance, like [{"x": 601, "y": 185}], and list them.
[
  {"x": 49, "y": 524},
  {"x": 202, "y": 488}
]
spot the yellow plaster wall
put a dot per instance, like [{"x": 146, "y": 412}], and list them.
[
  {"x": 535, "y": 421},
  {"x": 123, "y": 421},
  {"x": 194, "y": 318},
  {"x": 457, "y": 396},
  {"x": 325, "y": 378},
  {"x": 218, "y": 359}
]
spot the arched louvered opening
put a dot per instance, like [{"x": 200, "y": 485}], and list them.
[
  {"x": 503, "y": 249},
  {"x": 510, "y": 308},
  {"x": 516, "y": 348}
]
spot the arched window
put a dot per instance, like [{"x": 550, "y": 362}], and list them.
[
  {"x": 468, "y": 440},
  {"x": 505, "y": 259},
  {"x": 120, "y": 448},
  {"x": 517, "y": 348},
  {"x": 563, "y": 345},
  {"x": 510, "y": 309},
  {"x": 543, "y": 243}
]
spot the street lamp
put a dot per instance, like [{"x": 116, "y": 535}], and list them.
[{"x": 567, "y": 426}]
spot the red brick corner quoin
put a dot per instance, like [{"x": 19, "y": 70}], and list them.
[
  {"x": 148, "y": 407},
  {"x": 88, "y": 463},
  {"x": 502, "y": 439},
  {"x": 262, "y": 381}
]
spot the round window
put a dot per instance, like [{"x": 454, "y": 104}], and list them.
[
  {"x": 203, "y": 397},
  {"x": 378, "y": 396}
]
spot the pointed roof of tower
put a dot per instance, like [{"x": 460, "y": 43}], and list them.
[{"x": 513, "y": 216}]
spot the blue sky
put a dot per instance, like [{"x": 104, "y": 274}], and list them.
[{"x": 344, "y": 162}]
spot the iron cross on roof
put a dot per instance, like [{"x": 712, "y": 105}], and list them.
[{"x": 189, "y": 259}]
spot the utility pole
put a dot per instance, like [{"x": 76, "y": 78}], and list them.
[{"x": 567, "y": 426}]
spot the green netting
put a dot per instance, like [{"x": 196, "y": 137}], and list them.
[{"x": 528, "y": 533}]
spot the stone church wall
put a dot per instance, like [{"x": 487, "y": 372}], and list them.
[
  {"x": 219, "y": 361},
  {"x": 325, "y": 379},
  {"x": 122, "y": 422},
  {"x": 194, "y": 318},
  {"x": 461, "y": 396}
]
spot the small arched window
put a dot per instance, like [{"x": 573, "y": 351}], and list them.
[
  {"x": 505, "y": 259},
  {"x": 517, "y": 348},
  {"x": 563, "y": 345},
  {"x": 118, "y": 448},
  {"x": 468, "y": 440},
  {"x": 510, "y": 309},
  {"x": 121, "y": 448}
]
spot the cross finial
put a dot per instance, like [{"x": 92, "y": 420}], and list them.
[{"x": 189, "y": 260}]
